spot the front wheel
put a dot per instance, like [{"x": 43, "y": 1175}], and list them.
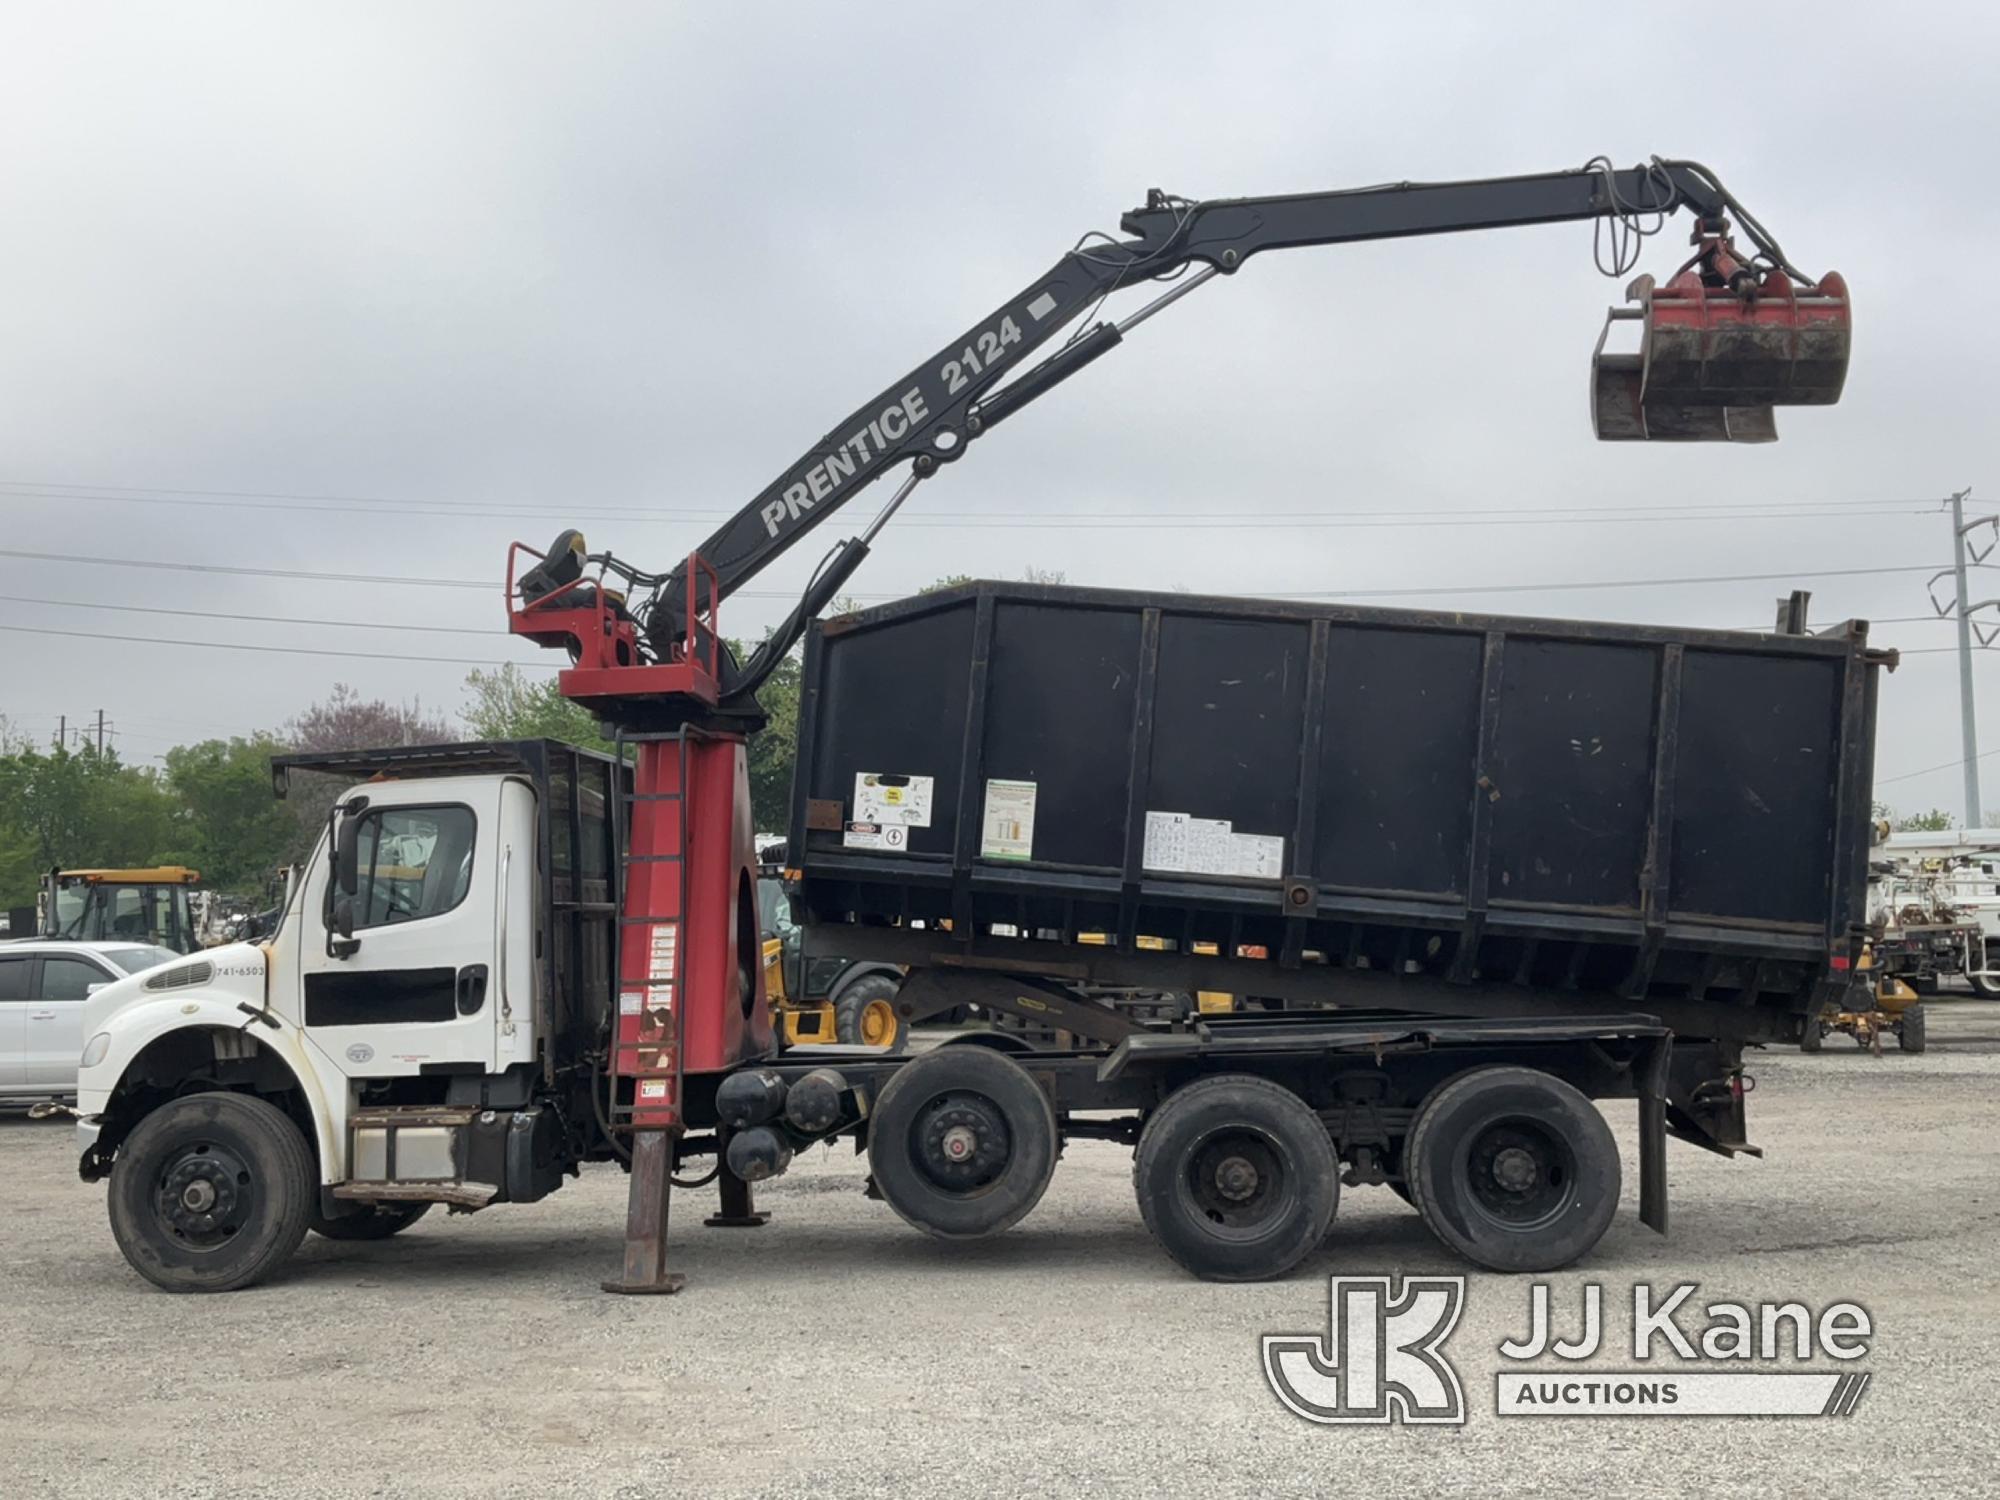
[
  {"x": 1237, "y": 1178},
  {"x": 370, "y": 1221},
  {"x": 211, "y": 1192},
  {"x": 1513, "y": 1168},
  {"x": 1910, "y": 1029}
]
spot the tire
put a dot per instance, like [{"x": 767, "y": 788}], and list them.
[
  {"x": 865, "y": 1015},
  {"x": 1480, "y": 1127},
  {"x": 1985, "y": 988},
  {"x": 1237, "y": 1178},
  {"x": 261, "y": 1191},
  {"x": 971, "y": 1100},
  {"x": 1910, "y": 1029},
  {"x": 369, "y": 1222}
]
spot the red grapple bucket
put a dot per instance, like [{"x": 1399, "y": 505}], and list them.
[{"x": 1713, "y": 363}]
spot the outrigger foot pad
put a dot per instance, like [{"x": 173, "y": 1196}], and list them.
[{"x": 666, "y": 1286}]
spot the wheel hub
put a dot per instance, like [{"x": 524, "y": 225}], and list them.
[
  {"x": 1515, "y": 1169},
  {"x": 1239, "y": 1181},
  {"x": 1519, "y": 1172},
  {"x": 1235, "y": 1179},
  {"x": 962, "y": 1142},
  {"x": 205, "y": 1196}
]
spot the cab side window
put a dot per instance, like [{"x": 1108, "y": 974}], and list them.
[
  {"x": 14, "y": 978},
  {"x": 414, "y": 862}
]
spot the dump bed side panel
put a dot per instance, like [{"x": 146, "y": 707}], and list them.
[{"x": 1603, "y": 809}]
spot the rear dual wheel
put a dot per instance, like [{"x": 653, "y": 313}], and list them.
[
  {"x": 1236, "y": 1177},
  {"x": 962, "y": 1142},
  {"x": 1513, "y": 1168},
  {"x": 376, "y": 1221}
]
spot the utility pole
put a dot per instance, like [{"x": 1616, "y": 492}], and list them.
[
  {"x": 100, "y": 712},
  {"x": 62, "y": 729},
  {"x": 1968, "y": 727}
]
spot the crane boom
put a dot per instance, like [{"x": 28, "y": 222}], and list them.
[{"x": 930, "y": 416}]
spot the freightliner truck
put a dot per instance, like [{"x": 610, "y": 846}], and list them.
[{"x": 1494, "y": 869}]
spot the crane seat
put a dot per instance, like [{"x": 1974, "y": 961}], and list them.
[{"x": 1717, "y": 355}]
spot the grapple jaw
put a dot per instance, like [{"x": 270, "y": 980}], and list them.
[{"x": 1721, "y": 345}]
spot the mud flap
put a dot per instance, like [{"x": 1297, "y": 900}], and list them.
[{"x": 1651, "y": 1071}]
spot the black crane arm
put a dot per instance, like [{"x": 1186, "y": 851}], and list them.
[{"x": 931, "y": 415}]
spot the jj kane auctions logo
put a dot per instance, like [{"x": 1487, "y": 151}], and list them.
[{"x": 1382, "y": 1357}]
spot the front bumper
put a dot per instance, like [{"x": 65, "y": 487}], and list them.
[{"x": 88, "y": 1167}]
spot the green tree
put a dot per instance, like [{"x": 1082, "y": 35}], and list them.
[
  {"x": 507, "y": 705},
  {"x": 1937, "y": 820},
  {"x": 77, "y": 809},
  {"x": 231, "y": 827},
  {"x": 774, "y": 748}
]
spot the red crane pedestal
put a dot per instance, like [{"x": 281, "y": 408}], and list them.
[
  {"x": 690, "y": 976},
  {"x": 690, "y": 956}
]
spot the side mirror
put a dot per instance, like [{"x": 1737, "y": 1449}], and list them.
[
  {"x": 347, "y": 852},
  {"x": 91, "y": 989}
]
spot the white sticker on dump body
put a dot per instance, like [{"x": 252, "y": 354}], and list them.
[
  {"x": 1177, "y": 844},
  {"x": 891, "y": 836},
  {"x": 884, "y": 799},
  {"x": 1008, "y": 829}
]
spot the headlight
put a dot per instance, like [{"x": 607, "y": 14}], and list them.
[{"x": 94, "y": 1050}]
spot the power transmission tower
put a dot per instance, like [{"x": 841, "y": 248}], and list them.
[{"x": 1964, "y": 557}]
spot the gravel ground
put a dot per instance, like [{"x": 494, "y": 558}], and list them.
[{"x": 837, "y": 1352}]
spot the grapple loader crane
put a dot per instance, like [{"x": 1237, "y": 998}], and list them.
[{"x": 1737, "y": 331}]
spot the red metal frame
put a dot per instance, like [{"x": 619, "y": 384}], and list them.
[
  {"x": 690, "y": 960},
  {"x": 690, "y": 885},
  {"x": 604, "y": 641}
]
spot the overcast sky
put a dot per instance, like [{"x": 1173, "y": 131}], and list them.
[{"x": 474, "y": 271}]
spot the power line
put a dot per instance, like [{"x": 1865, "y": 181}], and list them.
[
  {"x": 1950, "y": 765},
  {"x": 306, "y": 573},
  {"x": 1121, "y": 521},
  {"x": 35, "y": 485},
  {"x": 489, "y": 631},
  {"x": 1105, "y": 520},
  {"x": 209, "y": 614},
  {"x": 1612, "y": 583},
  {"x": 1793, "y": 575},
  {"x": 1045, "y": 520},
  {"x": 153, "y": 640}
]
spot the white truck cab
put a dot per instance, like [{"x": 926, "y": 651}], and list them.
[{"x": 382, "y": 1050}]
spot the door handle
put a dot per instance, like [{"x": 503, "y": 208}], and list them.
[
  {"x": 41, "y": 1015},
  {"x": 471, "y": 989}
]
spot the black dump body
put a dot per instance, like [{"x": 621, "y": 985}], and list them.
[{"x": 1441, "y": 812}]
